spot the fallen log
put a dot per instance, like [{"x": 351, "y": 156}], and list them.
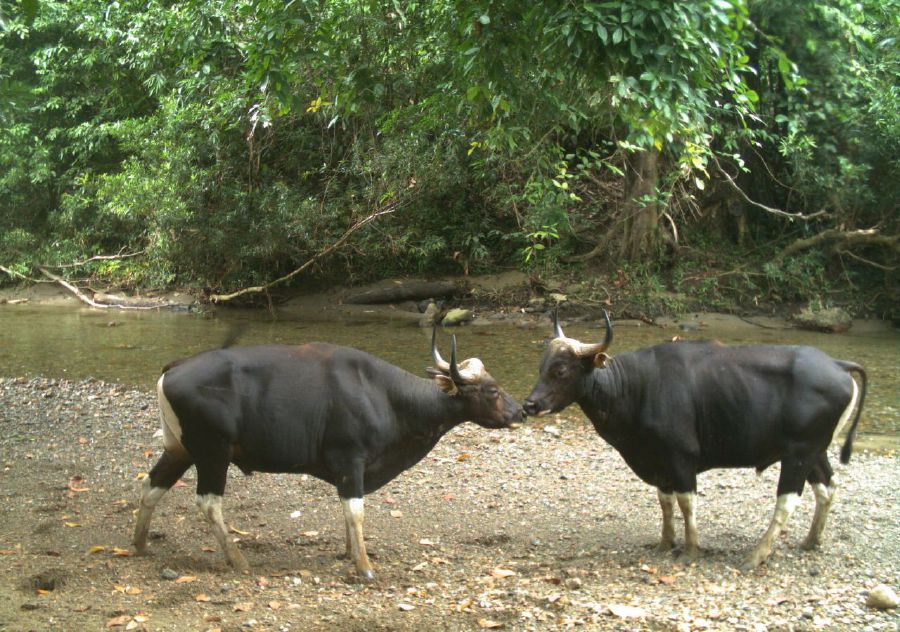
[
  {"x": 402, "y": 290},
  {"x": 869, "y": 237},
  {"x": 84, "y": 298}
]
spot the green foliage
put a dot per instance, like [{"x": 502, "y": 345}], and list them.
[
  {"x": 231, "y": 141},
  {"x": 539, "y": 241},
  {"x": 830, "y": 121}
]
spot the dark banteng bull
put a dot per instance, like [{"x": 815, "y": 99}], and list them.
[
  {"x": 677, "y": 409},
  {"x": 337, "y": 413}
]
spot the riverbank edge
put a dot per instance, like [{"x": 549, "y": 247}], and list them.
[
  {"x": 494, "y": 300},
  {"x": 510, "y": 297}
]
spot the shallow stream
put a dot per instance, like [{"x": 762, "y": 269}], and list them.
[{"x": 131, "y": 347}]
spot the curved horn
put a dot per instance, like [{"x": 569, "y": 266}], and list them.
[
  {"x": 439, "y": 362},
  {"x": 454, "y": 370},
  {"x": 557, "y": 328},
  {"x": 592, "y": 350}
]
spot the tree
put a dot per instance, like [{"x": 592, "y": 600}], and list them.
[{"x": 652, "y": 78}]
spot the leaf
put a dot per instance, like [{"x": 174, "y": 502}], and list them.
[
  {"x": 73, "y": 524},
  {"x": 487, "y": 624},
  {"x": 396, "y": 513},
  {"x": 238, "y": 531},
  {"x": 406, "y": 607},
  {"x": 243, "y": 606},
  {"x": 310, "y": 534},
  {"x": 203, "y": 597},
  {"x": 97, "y": 548},
  {"x": 502, "y": 573},
  {"x": 185, "y": 579},
  {"x": 118, "y": 621},
  {"x": 74, "y": 483},
  {"x": 426, "y": 542},
  {"x": 117, "y": 552},
  {"x": 668, "y": 580}
]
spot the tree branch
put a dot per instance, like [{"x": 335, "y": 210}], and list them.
[
  {"x": 868, "y": 236},
  {"x": 84, "y": 298},
  {"x": 768, "y": 209},
  {"x": 221, "y": 298},
  {"x": 14, "y": 274},
  {"x": 78, "y": 264}
]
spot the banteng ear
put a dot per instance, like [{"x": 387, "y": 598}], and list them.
[
  {"x": 446, "y": 383},
  {"x": 600, "y": 360}
]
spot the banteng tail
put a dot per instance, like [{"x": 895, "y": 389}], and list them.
[{"x": 852, "y": 367}]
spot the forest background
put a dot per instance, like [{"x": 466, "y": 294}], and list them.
[{"x": 722, "y": 153}]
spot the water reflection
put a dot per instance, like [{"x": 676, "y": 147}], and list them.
[{"x": 132, "y": 347}]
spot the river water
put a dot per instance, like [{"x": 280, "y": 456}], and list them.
[{"x": 132, "y": 347}]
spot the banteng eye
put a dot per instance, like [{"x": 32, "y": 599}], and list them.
[{"x": 560, "y": 370}]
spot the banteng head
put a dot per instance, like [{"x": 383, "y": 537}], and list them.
[
  {"x": 563, "y": 368},
  {"x": 484, "y": 401}
]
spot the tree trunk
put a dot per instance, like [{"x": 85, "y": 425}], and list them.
[{"x": 640, "y": 239}]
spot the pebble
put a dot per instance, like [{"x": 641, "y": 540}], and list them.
[
  {"x": 573, "y": 583},
  {"x": 882, "y": 597},
  {"x": 169, "y": 574}
]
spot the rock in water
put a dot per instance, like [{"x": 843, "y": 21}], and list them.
[
  {"x": 830, "y": 320},
  {"x": 882, "y": 597},
  {"x": 457, "y": 316}
]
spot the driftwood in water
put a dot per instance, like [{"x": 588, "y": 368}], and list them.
[
  {"x": 402, "y": 290},
  {"x": 104, "y": 301}
]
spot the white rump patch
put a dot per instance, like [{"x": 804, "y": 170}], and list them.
[{"x": 171, "y": 427}]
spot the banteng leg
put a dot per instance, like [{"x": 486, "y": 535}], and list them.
[
  {"x": 794, "y": 469},
  {"x": 822, "y": 483},
  {"x": 350, "y": 474},
  {"x": 667, "y": 504},
  {"x": 164, "y": 474},
  {"x": 212, "y": 470},
  {"x": 354, "y": 515},
  {"x": 687, "y": 504}
]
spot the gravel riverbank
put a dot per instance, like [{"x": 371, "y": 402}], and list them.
[{"x": 539, "y": 528}]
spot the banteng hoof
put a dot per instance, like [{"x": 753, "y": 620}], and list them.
[
  {"x": 810, "y": 544},
  {"x": 688, "y": 556},
  {"x": 664, "y": 546}
]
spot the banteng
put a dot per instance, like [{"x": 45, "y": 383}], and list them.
[
  {"x": 337, "y": 413},
  {"x": 677, "y": 409}
]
